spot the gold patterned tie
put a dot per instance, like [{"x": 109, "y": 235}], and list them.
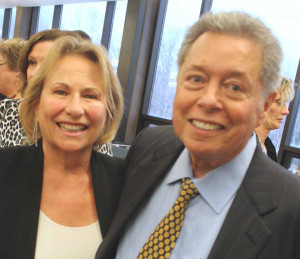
[{"x": 162, "y": 240}]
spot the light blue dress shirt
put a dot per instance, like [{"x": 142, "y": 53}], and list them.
[{"x": 205, "y": 214}]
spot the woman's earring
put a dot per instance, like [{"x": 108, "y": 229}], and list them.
[{"x": 34, "y": 135}]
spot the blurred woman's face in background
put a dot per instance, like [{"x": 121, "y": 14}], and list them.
[
  {"x": 36, "y": 56},
  {"x": 9, "y": 79},
  {"x": 276, "y": 113}
]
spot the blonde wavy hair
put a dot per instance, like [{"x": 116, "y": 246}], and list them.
[
  {"x": 286, "y": 90},
  {"x": 113, "y": 96}
]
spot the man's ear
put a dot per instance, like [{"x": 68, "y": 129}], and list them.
[{"x": 267, "y": 105}]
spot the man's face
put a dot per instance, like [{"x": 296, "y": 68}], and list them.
[{"x": 219, "y": 99}]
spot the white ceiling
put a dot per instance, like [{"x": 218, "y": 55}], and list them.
[{"x": 27, "y": 3}]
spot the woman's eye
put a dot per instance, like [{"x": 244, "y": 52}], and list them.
[
  {"x": 60, "y": 92},
  {"x": 31, "y": 62},
  {"x": 90, "y": 96}
]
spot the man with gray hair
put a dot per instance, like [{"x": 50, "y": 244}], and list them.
[{"x": 203, "y": 188}]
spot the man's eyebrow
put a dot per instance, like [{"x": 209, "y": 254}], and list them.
[{"x": 233, "y": 73}]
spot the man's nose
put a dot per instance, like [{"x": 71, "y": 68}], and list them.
[{"x": 210, "y": 97}]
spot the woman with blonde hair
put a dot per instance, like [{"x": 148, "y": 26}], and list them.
[
  {"x": 278, "y": 110},
  {"x": 58, "y": 197},
  {"x": 11, "y": 130}
]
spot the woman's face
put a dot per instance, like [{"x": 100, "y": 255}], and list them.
[
  {"x": 71, "y": 111},
  {"x": 276, "y": 114},
  {"x": 9, "y": 79},
  {"x": 36, "y": 56}
]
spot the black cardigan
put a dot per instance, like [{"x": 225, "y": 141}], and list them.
[
  {"x": 21, "y": 177},
  {"x": 271, "y": 151}
]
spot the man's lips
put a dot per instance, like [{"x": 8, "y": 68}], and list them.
[{"x": 208, "y": 126}]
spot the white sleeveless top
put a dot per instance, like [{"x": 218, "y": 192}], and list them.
[{"x": 61, "y": 242}]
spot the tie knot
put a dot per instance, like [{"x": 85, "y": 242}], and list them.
[{"x": 188, "y": 190}]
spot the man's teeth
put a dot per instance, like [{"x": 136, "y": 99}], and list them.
[
  {"x": 206, "y": 126},
  {"x": 74, "y": 128}
]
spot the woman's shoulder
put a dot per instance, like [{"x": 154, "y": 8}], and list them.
[
  {"x": 15, "y": 157},
  {"x": 15, "y": 152},
  {"x": 8, "y": 105},
  {"x": 9, "y": 102}
]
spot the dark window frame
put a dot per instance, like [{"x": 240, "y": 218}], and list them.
[{"x": 6, "y": 23}]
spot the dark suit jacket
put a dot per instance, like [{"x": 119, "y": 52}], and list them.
[
  {"x": 21, "y": 176},
  {"x": 263, "y": 221}
]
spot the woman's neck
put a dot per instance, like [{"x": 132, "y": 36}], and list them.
[
  {"x": 262, "y": 132},
  {"x": 66, "y": 162}
]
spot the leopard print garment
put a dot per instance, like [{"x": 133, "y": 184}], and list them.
[{"x": 12, "y": 133}]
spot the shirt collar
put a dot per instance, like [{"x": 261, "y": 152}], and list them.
[{"x": 219, "y": 185}]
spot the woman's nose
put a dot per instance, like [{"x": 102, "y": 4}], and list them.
[
  {"x": 285, "y": 110},
  {"x": 75, "y": 106}
]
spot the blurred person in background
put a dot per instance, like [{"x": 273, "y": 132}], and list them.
[
  {"x": 10, "y": 80},
  {"x": 58, "y": 197},
  {"x": 11, "y": 131},
  {"x": 275, "y": 115}
]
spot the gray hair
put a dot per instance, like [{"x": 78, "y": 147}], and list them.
[{"x": 243, "y": 25}]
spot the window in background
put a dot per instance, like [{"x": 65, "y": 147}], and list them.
[
  {"x": 294, "y": 164},
  {"x": 88, "y": 17},
  {"x": 1, "y": 20},
  {"x": 281, "y": 19},
  {"x": 12, "y": 23},
  {"x": 45, "y": 17},
  {"x": 295, "y": 141},
  {"x": 117, "y": 33},
  {"x": 179, "y": 17}
]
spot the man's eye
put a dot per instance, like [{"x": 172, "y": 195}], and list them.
[
  {"x": 235, "y": 88},
  {"x": 196, "y": 79}
]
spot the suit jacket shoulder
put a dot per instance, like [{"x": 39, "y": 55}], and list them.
[
  {"x": 264, "y": 218},
  {"x": 154, "y": 142}
]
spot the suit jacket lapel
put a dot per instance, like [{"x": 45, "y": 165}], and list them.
[
  {"x": 140, "y": 184},
  {"x": 103, "y": 192},
  {"x": 244, "y": 233}
]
